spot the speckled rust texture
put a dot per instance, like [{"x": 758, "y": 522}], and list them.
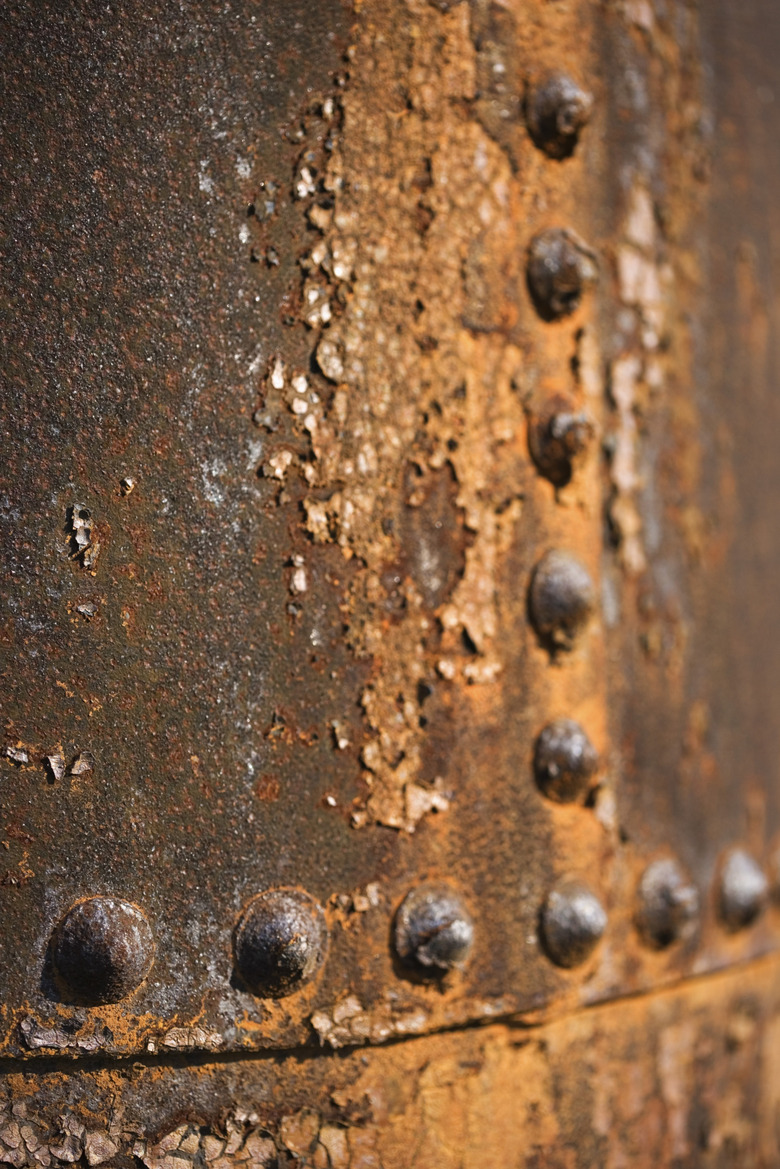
[
  {"x": 685, "y": 1077},
  {"x": 269, "y": 519},
  {"x": 266, "y": 617}
]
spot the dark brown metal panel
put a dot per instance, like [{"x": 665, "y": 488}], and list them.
[
  {"x": 695, "y": 631},
  {"x": 292, "y": 590},
  {"x": 149, "y": 700},
  {"x": 685, "y": 1077},
  {"x": 269, "y": 566},
  {"x": 389, "y": 457},
  {"x": 741, "y": 327}
]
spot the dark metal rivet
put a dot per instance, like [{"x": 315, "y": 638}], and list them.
[
  {"x": 280, "y": 942},
  {"x": 102, "y": 949},
  {"x": 433, "y": 930},
  {"x": 556, "y": 438},
  {"x": 559, "y": 268},
  {"x": 565, "y": 760},
  {"x": 556, "y": 111},
  {"x": 743, "y": 890},
  {"x": 668, "y": 904},
  {"x": 562, "y": 598},
  {"x": 573, "y": 923}
]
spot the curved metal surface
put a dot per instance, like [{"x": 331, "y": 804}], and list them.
[{"x": 361, "y": 423}]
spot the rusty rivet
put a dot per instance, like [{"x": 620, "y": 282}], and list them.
[
  {"x": 565, "y": 760},
  {"x": 280, "y": 942},
  {"x": 559, "y": 268},
  {"x": 433, "y": 930},
  {"x": 668, "y": 904},
  {"x": 556, "y": 111},
  {"x": 573, "y": 922},
  {"x": 102, "y": 949},
  {"x": 556, "y": 438},
  {"x": 743, "y": 890},
  {"x": 561, "y": 598}
]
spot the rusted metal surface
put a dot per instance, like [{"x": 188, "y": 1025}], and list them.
[
  {"x": 268, "y": 568},
  {"x": 684, "y": 1077},
  {"x": 694, "y": 718},
  {"x": 388, "y": 636}
]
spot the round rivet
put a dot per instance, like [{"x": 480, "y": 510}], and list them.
[
  {"x": 555, "y": 440},
  {"x": 102, "y": 949},
  {"x": 559, "y": 268},
  {"x": 280, "y": 942},
  {"x": 743, "y": 890},
  {"x": 668, "y": 904},
  {"x": 433, "y": 930},
  {"x": 556, "y": 111},
  {"x": 573, "y": 923},
  {"x": 562, "y": 598},
  {"x": 565, "y": 761}
]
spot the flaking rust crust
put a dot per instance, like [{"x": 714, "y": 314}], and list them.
[
  {"x": 274, "y": 585},
  {"x": 297, "y": 430},
  {"x": 431, "y": 355},
  {"x": 685, "y": 1077},
  {"x": 306, "y": 632},
  {"x": 270, "y": 567}
]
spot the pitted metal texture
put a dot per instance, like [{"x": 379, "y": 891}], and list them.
[{"x": 354, "y": 442}]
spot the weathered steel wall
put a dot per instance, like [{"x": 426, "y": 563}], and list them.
[
  {"x": 388, "y": 624},
  {"x": 687, "y": 1076}
]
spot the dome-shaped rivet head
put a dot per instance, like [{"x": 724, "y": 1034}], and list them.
[
  {"x": 668, "y": 904},
  {"x": 102, "y": 950},
  {"x": 280, "y": 942},
  {"x": 565, "y": 761},
  {"x": 559, "y": 268},
  {"x": 556, "y": 439},
  {"x": 556, "y": 111},
  {"x": 561, "y": 600},
  {"x": 573, "y": 923},
  {"x": 433, "y": 932},
  {"x": 743, "y": 890}
]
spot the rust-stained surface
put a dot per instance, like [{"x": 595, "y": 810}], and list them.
[
  {"x": 289, "y": 427},
  {"x": 296, "y": 651},
  {"x": 686, "y": 1077}
]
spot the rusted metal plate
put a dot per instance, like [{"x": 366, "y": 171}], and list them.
[
  {"x": 356, "y": 435},
  {"x": 693, "y": 711},
  {"x": 687, "y": 1077}
]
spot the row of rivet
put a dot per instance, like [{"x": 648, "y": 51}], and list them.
[
  {"x": 562, "y": 596},
  {"x": 573, "y": 919},
  {"x": 559, "y": 267},
  {"x": 103, "y": 948}
]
